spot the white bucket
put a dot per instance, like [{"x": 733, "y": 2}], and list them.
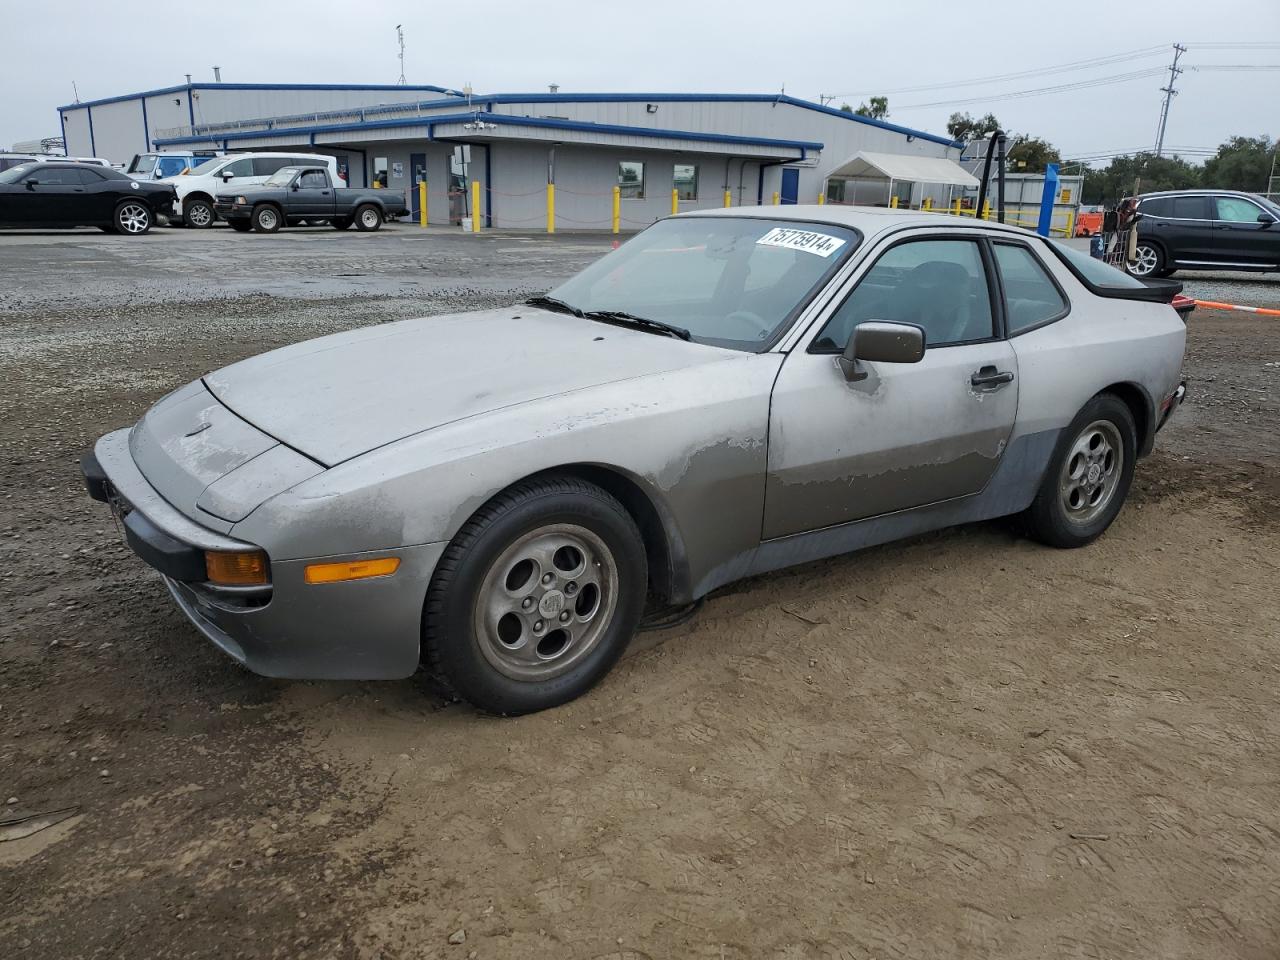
[{"x": 466, "y": 224}]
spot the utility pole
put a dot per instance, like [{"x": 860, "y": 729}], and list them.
[
  {"x": 1169, "y": 94},
  {"x": 400, "y": 37}
]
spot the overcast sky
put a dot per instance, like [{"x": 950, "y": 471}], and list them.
[{"x": 856, "y": 48}]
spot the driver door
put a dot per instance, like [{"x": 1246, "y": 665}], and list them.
[{"x": 908, "y": 434}]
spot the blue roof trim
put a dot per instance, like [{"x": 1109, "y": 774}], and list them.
[
  {"x": 188, "y": 87},
  {"x": 501, "y": 119}
]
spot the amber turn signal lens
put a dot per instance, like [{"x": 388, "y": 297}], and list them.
[
  {"x": 248, "y": 569},
  {"x": 355, "y": 570}
]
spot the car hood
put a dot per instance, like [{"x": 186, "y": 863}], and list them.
[{"x": 337, "y": 397}]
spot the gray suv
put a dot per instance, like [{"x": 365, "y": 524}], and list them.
[{"x": 1206, "y": 230}]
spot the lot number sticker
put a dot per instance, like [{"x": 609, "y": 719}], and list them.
[{"x": 822, "y": 244}]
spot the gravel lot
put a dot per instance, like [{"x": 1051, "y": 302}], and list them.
[{"x": 961, "y": 746}]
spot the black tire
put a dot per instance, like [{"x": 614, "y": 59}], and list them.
[
  {"x": 239, "y": 226},
  {"x": 341, "y": 223},
  {"x": 266, "y": 218},
  {"x": 453, "y": 648},
  {"x": 198, "y": 214},
  {"x": 1150, "y": 260},
  {"x": 133, "y": 218},
  {"x": 368, "y": 218},
  {"x": 1050, "y": 517}
]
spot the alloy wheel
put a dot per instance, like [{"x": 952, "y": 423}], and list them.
[
  {"x": 545, "y": 602},
  {"x": 1091, "y": 472},
  {"x": 1145, "y": 261},
  {"x": 134, "y": 218},
  {"x": 199, "y": 215}
]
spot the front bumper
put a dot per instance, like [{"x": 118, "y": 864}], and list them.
[
  {"x": 232, "y": 211},
  {"x": 355, "y": 630}
]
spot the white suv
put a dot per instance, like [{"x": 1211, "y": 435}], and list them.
[{"x": 197, "y": 187}]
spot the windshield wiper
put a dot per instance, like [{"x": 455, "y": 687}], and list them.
[
  {"x": 551, "y": 303},
  {"x": 622, "y": 318}
]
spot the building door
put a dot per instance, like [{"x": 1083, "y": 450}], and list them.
[
  {"x": 790, "y": 185},
  {"x": 418, "y": 174}
]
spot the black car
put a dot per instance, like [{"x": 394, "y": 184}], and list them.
[
  {"x": 64, "y": 195},
  {"x": 1206, "y": 230},
  {"x": 305, "y": 194}
]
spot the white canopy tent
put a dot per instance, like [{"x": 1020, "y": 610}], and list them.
[{"x": 902, "y": 168}]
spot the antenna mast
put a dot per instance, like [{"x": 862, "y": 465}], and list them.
[
  {"x": 1169, "y": 94},
  {"x": 400, "y": 37}
]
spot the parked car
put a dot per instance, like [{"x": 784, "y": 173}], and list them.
[
  {"x": 198, "y": 186},
  {"x": 8, "y": 160},
  {"x": 61, "y": 194},
  {"x": 498, "y": 494},
  {"x": 1206, "y": 230},
  {"x": 306, "y": 194},
  {"x": 157, "y": 166}
]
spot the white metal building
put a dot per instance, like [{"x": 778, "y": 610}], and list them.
[{"x": 752, "y": 146}]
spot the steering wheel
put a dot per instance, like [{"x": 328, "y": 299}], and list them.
[{"x": 762, "y": 329}]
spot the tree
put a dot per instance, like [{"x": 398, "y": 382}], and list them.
[
  {"x": 1031, "y": 155},
  {"x": 877, "y": 109},
  {"x": 961, "y": 126},
  {"x": 1241, "y": 163},
  {"x": 1149, "y": 172},
  {"x": 845, "y": 108}
]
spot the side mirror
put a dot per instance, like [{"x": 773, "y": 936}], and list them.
[
  {"x": 295, "y": 185},
  {"x": 1266, "y": 219},
  {"x": 32, "y": 184},
  {"x": 879, "y": 341},
  {"x": 226, "y": 175}
]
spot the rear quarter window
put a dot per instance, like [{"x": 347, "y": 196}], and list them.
[{"x": 1094, "y": 272}]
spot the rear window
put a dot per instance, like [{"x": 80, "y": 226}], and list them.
[
  {"x": 266, "y": 166},
  {"x": 1094, "y": 272}
]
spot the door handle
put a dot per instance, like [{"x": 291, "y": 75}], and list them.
[{"x": 991, "y": 378}]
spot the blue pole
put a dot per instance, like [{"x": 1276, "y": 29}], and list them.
[{"x": 1047, "y": 199}]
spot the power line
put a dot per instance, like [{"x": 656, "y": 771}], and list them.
[
  {"x": 1041, "y": 91},
  {"x": 999, "y": 78}
]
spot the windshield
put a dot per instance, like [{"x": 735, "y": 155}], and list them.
[
  {"x": 730, "y": 281},
  {"x": 14, "y": 174},
  {"x": 143, "y": 163},
  {"x": 282, "y": 176},
  {"x": 1097, "y": 272},
  {"x": 209, "y": 166}
]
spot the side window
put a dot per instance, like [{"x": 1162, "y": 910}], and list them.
[
  {"x": 171, "y": 166},
  {"x": 238, "y": 168},
  {"x": 1156, "y": 207},
  {"x": 314, "y": 180},
  {"x": 56, "y": 176},
  {"x": 1191, "y": 208},
  {"x": 266, "y": 166},
  {"x": 938, "y": 284},
  {"x": 1031, "y": 296},
  {"x": 1237, "y": 210},
  {"x": 90, "y": 177}
]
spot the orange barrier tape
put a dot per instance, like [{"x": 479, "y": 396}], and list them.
[{"x": 1214, "y": 305}]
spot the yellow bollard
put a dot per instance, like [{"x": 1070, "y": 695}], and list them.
[
  {"x": 1071, "y": 222},
  {"x": 893, "y": 202},
  {"x": 551, "y": 208},
  {"x": 422, "y": 203},
  {"x": 728, "y": 198},
  {"x": 617, "y": 209},
  {"x": 986, "y": 209},
  {"x": 675, "y": 202},
  {"x": 822, "y": 198},
  {"x": 475, "y": 206},
  {"x": 776, "y": 198},
  {"x": 928, "y": 204},
  {"x": 955, "y": 207}
]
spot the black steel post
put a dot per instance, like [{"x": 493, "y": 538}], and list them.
[{"x": 1000, "y": 177}]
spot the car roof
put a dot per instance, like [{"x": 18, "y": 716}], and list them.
[
  {"x": 867, "y": 220},
  {"x": 1198, "y": 190}
]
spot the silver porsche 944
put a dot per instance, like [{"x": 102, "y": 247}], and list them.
[{"x": 499, "y": 496}]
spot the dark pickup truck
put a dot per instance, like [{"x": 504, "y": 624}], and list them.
[{"x": 298, "y": 195}]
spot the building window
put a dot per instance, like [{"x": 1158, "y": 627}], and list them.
[
  {"x": 686, "y": 181},
  {"x": 379, "y": 173},
  {"x": 835, "y": 191},
  {"x": 631, "y": 179}
]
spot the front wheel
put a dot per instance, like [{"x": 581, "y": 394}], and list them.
[
  {"x": 266, "y": 219},
  {"x": 1148, "y": 260},
  {"x": 536, "y": 597},
  {"x": 133, "y": 218},
  {"x": 1089, "y": 476},
  {"x": 198, "y": 214},
  {"x": 368, "y": 217}
]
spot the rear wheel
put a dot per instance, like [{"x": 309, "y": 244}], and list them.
[
  {"x": 1089, "y": 476},
  {"x": 368, "y": 217},
  {"x": 266, "y": 219},
  {"x": 1148, "y": 260},
  {"x": 536, "y": 597},
  {"x": 198, "y": 214}
]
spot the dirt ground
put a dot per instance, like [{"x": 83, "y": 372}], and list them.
[{"x": 966, "y": 745}]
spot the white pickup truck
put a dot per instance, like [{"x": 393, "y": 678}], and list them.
[{"x": 198, "y": 186}]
